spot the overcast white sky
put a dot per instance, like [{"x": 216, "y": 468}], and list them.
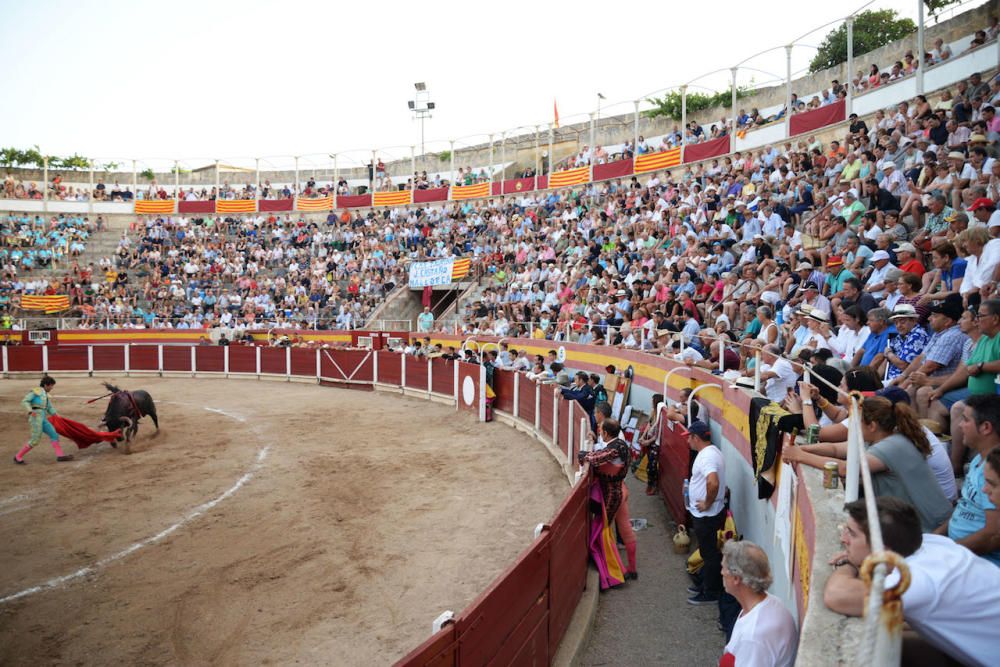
[{"x": 234, "y": 80}]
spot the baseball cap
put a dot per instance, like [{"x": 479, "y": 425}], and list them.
[
  {"x": 948, "y": 308},
  {"x": 956, "y": 155},
  {"x": 804, "y": 266},
  {"x": 810, "y": 285},
  {"x": 906, "y": 247},
  {"x": 880, "y": 255},
  {"x": 834, "y": 260},
  {"x": 700, "y": 429},
  {"x": 888, "y": 164},
  {"x": 982, "y": 202}
]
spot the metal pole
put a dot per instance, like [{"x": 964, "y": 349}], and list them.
[
  {"x": 734, "y": 70},
  {"x": 218, "y": 190},
  {"x": 756, "y": 372},
  {"x": 451, "y": 176},
  {"x": 503, "y": 159},
  {"x": 295, "y": 185},
  {"x": 854, "y": 447},
  {"x": 592, "y": 134},
  {"x": 850, "y": 66},
  {"x": 45, "y": 185},
  {"x": 491, "y": 159},
  {"x": 135, "y": 183},
  {"x": 413, "y": 163},
  {"x": 920, "y": 47},
  {"x": 257, "y": 188},
  {"x": 684, "y": 114},
  {"x": 90, "y": 196},
  {"x": 788, "y": 90},
  {"x": 336, "y": 180},
  {"x": 551, "y": 145},
  {"x": 537, "y": 157},
  {"x": 635, "y": 129},
  {"x": 177, "y": 180}
]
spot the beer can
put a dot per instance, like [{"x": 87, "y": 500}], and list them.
[
  {"x": 830, "y": 475},
  {"x": 812, "y": 434}
]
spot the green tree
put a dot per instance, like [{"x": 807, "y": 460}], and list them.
[
  {"x": 147, "y": 173},
  {"x": 872, "y": 29},
  {"x": 444, "y": 156},
  {"x": 670, "y": 104},
  {"x": 937, "y": 5}
]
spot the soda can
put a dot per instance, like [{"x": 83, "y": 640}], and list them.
[
  {"x": 812, "y": 434},
  {"x": 830, "y": 475}
]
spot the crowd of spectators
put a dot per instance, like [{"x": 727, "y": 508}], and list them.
[
  {"x": 872, "y": 260},
  {"x": 29, "y": 241}
]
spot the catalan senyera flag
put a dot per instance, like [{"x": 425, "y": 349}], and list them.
[
  {"x": 318, "y": 204},
  {"x": 394, "y": 198},
  {"x": 235, "y": 206},
  {"x": 154, "y": 206},
  {"x": 50, "y": 303},
  {"x": 460, "y": 269},
  {"x": 654, "y": 161},
  {"x": 471, "y": 191},
  {"x": 560, "y": 179}
]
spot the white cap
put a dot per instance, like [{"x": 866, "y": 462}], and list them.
[{"x": 880, "y": 254}]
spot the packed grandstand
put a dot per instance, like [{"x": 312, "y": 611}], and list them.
[{"x": 870, "y": 259}]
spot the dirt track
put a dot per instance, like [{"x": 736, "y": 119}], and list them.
[{"x": 360, "y": 517}]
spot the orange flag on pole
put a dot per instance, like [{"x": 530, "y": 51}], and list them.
[{"x": 555, "y": 109}]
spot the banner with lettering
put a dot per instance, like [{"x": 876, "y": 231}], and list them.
[{"x": 437, "y": 272}]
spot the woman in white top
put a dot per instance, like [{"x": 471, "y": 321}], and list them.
[
  {"x": 852, "y": 334},
  {"x": 768, "y": 328}
]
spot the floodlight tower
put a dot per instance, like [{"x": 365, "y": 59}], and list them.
[{"x": 421, "y": 108}]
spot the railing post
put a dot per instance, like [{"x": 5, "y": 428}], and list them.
[
  {"x": 374, "y": 366},
  {"x": 128, "y": 364},
  {"x": 756, "y": 371},
  {"x": 555, "y": 418},
  {"x": 538, "y": 406},
  {"x": 319, "y": 370},
  {"x": 457, "y": 399},
  {"x": 402, "y": 372},
  {"x": 194, "y": 361},
  {"x": 569, "y": 440},
  {"x": 45, "y": 358},
  {"x": 854, "y": 447},
  {"x": 849, "y": 103},
  {"x": 288, "y": 364},
  {"x": 921, "y": 48},
  {"x": 430, "y": 378},
  {"x": 4, "y": 349},
  {"x": 90, "y": 359},
  {"x": 517, "y": 394},
  {"x": 225, "y": 360}
]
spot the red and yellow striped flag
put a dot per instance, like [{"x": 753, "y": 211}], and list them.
[
  {"x": 460, "y": 269},
  {"x": 560, "y": 179},
  {"x": 654, "y": 161},
  {"x": 471, "y": 191},
  {"x": 318, "y": 204},
  {"x": 154, "y": 206},
  {"x": 50, "y": 303},
  {"x": 235, "y": 206},
  {"x": 395, "y": 198}
]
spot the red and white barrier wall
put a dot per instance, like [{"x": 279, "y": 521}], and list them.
[{"x": 522, "y": 617}]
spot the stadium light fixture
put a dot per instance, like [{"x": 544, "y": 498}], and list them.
[{"x": 421, "y": 108}]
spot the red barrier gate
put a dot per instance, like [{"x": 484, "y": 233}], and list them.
[
  {"x": 443, "y": 377},
  {"x": 209, "y": 359},
  {"x": 390, "y": 367},
  {"x": 68, "y": 358},
  {"x": 675, "y": 456},
  {"x": 416, "y": 373},
  {"x": 23, "y": 359},
  {"x": 273, "y": 361},
  {"x": 242, "y": 359},
  {"x": 526, "y": 399},
  {"x": 145, "y": 357},
  {"x": 503, "y": 386}
]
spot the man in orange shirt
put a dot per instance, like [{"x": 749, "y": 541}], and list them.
[{"x": 906, "y": 259}]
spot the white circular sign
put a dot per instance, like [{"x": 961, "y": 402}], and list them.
[
  {"x": 468, "y": 390},
  {"x": 561, "y": 355}
]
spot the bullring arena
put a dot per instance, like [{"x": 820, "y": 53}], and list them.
[{"x": 265, "y": 523}]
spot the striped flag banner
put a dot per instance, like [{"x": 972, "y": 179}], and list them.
[
  {"x": 154, "y": 206},
  {"x": 50, "y": 303},
  {"x": 460, "y": 269},
  {"x": 235, "y": 206},
  {"x": 654, "y": 161},
  {"x": 396, "y": 198},
  {"x": 471, "y": 191},
  {"x": 318, "y": 204},
  {"x": 561, "y": 179}
]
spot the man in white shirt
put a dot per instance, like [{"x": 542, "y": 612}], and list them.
[
  {"x": 875, "y": 285},
  {"x": 953, "y": 596},
  {"x": 706, "y": 503},
  {"x": 764, "y": 634},
  {"x": 778, "y": 373}
]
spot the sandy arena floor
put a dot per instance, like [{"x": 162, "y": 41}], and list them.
[{"x": 266, "y": 523}]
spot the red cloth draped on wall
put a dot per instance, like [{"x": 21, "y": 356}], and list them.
[{"x": 817, "y": 118}]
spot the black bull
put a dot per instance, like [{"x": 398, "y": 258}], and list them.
[{"x": 126, "y": 408}]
